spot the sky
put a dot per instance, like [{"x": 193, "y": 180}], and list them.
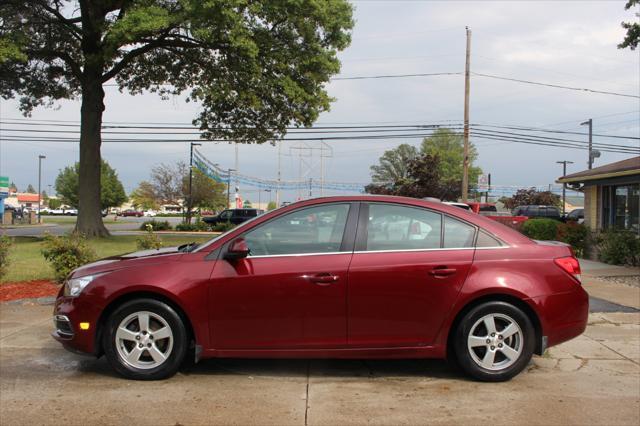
[{"x": 570, "y": 43}]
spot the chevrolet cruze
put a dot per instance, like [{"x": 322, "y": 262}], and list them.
[{"x": 338, "y": 277}]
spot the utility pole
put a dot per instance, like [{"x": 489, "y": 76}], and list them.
[
  {"x": 564, "y": 185},
  {"x": 229, "y": 186},
  {"x": 190, "y": 201},
  {"x": 467, "y": 84},
  {"x": 592, "y": 154},
  {"x": 40, "y": 158}
]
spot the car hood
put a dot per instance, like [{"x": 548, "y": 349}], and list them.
[{"x": 166, "y": 254}]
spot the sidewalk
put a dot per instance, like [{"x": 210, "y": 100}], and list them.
[{"x": 599, "y": 280}]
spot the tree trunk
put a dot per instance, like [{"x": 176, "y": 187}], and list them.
[{"x": 89, "y": 186}]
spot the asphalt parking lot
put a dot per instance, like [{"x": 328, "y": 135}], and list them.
[{"x": 594, "y": 379}]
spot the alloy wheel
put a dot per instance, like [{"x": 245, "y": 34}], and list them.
[
  {"x": 144, "y": 340},
  {"x": 495, "y": 341}
]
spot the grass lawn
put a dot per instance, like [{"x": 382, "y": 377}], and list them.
[{"x": 27, "y": 262}]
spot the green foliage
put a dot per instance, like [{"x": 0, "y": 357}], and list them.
[
  {"x": 449, "y": 147},
  {"x": 394, "y": 165},
  {"x": 66, "y": 253},
  {"x": 149, "y": 240},
  {"x": 423, "y": 180},
  {"x": 144, "y": 197},
  {"x": 619, "y": 247},
  {"x": 632, "y": 38},
  {"x": 526, "y": 197},
  {"x": 574, "y": 234},
  {"x": 163, "y": 225},
  {"x": 540, "y": 229},
  {"x": 55, "y": 203},
  {"x": 223, "y": 227},
  {"x": 192, "y": 227},
  {"x": 5, "y": 245},
  {"x": 271, "y": 206},
  {"x": 30, "y": 189},
  {"x": 111, "y": 193}
]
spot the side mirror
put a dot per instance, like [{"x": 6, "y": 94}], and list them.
[{"x": 238, "y": 249}]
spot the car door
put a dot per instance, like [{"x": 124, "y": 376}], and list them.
[
  {"x": 407, "y": 270},
  {"x": 290, "y": 292}
]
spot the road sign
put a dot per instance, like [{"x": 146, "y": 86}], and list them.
[
  {"x": 483, "y": 183},
  {"x": 4, "y": 186}
]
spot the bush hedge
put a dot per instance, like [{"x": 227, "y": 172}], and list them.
[
  {"x": 192, "y": 227},
  {"x": 156, "y": 225},
  {"x": 574, "y": 234},
  {"x": 540, "y": 229},
  {"x": 66, "y": 253},
  {"x": 223, "y": 227},
  {"x": 619, "y": 247}
]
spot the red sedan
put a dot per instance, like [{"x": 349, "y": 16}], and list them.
[{"x": 339, "y": 277}]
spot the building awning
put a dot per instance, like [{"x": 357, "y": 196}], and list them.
[
  {"x": 628, "y": 167},
  {"x": 27, "y": 198}
]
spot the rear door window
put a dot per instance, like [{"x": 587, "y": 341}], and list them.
[
  {"x": 458, "y": 234},
  {"x": 394, "y": 227}
]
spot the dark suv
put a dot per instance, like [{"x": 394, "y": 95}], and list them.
[
  {"x": 235, "y": 216},
  {"x": 549, "y": 212}
]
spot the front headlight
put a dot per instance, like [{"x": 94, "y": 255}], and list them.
[{"x": 74, "y": 286}]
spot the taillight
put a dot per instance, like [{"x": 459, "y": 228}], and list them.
[{"x": 570, "y": 265}]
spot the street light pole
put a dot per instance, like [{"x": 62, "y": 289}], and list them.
[
  {"x": 564, "y": 185},
  {"x": 467, "y": 85},
  {"x": 190, "y": 202},
  {"x": 40, "y": 158}
]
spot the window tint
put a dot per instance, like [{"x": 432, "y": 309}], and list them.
[
  {"x": 393, "y": 227},
  {"x": 225, "y": 214},
  {"x": 486, "y": 240},
  {"x": 457, "y": 234},
  {"x": 488, "y": 209},
  {"x": 313, "y": 230}
]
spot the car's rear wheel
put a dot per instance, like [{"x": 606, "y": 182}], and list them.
[
  {"x": 494, "y": 341},
  {"x": 145, "y": 339}
]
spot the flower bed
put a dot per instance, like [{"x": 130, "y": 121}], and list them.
[{"x": 27, "y": 290}]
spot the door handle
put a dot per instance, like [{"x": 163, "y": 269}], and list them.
[
  {"x": 324, "y": 278},
  {"x": 442, "y": 271}
]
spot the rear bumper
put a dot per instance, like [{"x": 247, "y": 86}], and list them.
[{"x": 563, "y": 316}]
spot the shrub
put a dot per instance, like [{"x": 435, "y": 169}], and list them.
[
  {"x": 66, "y": 253},
  {"x": 5, "y": 245},
  {"x": 149, "y": 240},
  {"x": 574, "y": 234},
  {"x": 192, "y": 227},
  {"x": 540, "y": 229},
  {"x": 156, "y": 225},
  {"x": 619, "y": 247},
  {"x": 223, "y": 227}
]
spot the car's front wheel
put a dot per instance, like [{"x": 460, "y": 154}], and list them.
[
  {"x": 494, "y": 341},
  {"x": 145, "y": 339}
]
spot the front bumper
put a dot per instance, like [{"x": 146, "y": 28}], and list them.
[{"x": 68, "y": 313}]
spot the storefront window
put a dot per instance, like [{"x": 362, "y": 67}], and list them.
[{"x": 621, "y": 207}]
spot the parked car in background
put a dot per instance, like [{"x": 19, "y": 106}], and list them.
[
  {"x": 70, "y": 212},
  {"x": 575, "y": 215},
  {"x": 548, "y": 212},
  {"x": 150, "y": 213},
  {"x": 131, "y": 213},
  {"x": 234, "y": 216},
  {"x": 485, "y": 209},
  {"x": 335, "y": 277}
]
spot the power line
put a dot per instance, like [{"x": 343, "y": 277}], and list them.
[{"x": 556, "y": 86}]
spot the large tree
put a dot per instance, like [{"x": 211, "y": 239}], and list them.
[
  {"x": 144, "y": 196},
  {"x": 632, "y": 38},
  {"x": 394, "y": 164},
  {"x": 449, "y": 147},
  {"x": 111, "y": 190},
  {"x": 255, "y": 67},
  {"x": 530, "y": 196}
]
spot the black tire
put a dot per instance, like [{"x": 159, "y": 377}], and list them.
[
  {"x": 504, "y": 312},
  {"x": 175, "y": 351}
]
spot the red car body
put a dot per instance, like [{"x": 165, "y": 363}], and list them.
[
  {"x": 350, "y": 304},
  {"x": 131, "y": 213}
]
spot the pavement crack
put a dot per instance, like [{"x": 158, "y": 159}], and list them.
[{"x": 613, "y": 350}]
